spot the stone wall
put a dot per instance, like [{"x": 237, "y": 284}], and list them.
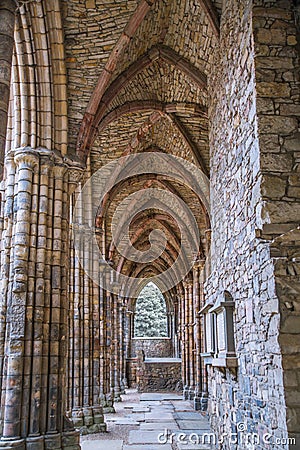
[
  {"x": 152, "y": 347},
  {"x": 276, "y": 38},
  {"x": 286, "y": 250},
  {"x": 241, "y": 263},
  {"x": 154, "y": 376},
  {"x": 278, "y": 111}
]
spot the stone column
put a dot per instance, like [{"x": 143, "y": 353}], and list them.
[
  {"x": 34, "y": 298},
  {"x": 181, "y": 336},
  {"x": 109, "y": 355},
  {"x": 185, "y": 340},
  {"x": 7, "y": 26},
  {"x": 84, "y": 348},
  {"x": 191, "y": 339},
  {"x": 127, "y": 343},
  {"x": 117, "y": 324},
  {"x": 122, "y": 347},
  {"x": 199, "y": 338}
]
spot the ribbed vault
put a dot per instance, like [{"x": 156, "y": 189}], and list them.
[{"x": 151, "y": 96}]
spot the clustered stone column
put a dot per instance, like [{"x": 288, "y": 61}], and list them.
[
  {"x": 191, "y": 337},
  {"x": 34, "y": 301},
  {"x": 7, "y": 25},
  {"x": 86, "y": 363}
]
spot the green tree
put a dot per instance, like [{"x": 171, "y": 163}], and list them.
[{"x": 150, "y": 313}]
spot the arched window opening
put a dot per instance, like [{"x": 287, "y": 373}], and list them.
[{"x": 150, "y": 313}]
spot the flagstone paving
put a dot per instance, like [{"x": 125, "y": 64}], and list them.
[{"x": 158, "y": 421}]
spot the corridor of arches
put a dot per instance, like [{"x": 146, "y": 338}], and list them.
[{"x": 149, "y": 154}]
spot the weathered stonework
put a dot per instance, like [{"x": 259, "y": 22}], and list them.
[
  {"x": 7, "y": 22},
  {"x": 152, "y": 347},
  {"x": 214, "y": 83},
  {"x": 34, "y": 307},
  {"x": 251, "y": 78},
  {"x": 156, "y": 375}
]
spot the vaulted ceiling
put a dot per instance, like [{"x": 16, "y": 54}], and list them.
[
  {"x": 137, "y": 76},
  {"x": 137, "y": 82}
]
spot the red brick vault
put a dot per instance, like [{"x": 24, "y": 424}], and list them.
[{"x": 149, "y": 141}]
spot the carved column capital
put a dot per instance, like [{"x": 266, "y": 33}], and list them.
[
  {"x": 75, "y": 176},
  {"x": 59, "y": 171},
  {"x": 26, "y": 158}
]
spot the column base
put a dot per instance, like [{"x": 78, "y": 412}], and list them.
[
  {"x": 191, "y": 393},
  {"x": 201, "y": 403},
  {"x": 185, "y": 393},
  {"x": 107, "y": 404},
  {"x": 125, "y": 383},
  {"x": 59, "y": 441},
  {"x": 89, "y": 420},
  {"x": 117, "y": 397},
  {"x": 10, "y": 444}
]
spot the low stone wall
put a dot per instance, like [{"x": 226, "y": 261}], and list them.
[
  {"x": 152, "y": 347},
  {"x": 159, "y": 375}
]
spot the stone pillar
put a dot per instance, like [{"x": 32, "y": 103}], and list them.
[
  {"x": 109, "y": 355},
  {"x": 181, "y": 337},
  {"x": 84, "y": 348},
  {"x": 117, "y": 347},
  {"x": 200, "y": 400},
  {"x": 7, "y": 26},
  {"x": 185, "y": 340},
  {"x": 34, "y": 328},
  {"x": 127, "y": 343},
  {"x": 191, "y": 324},
  {"x": 104, "y": 343},
  {"x": 122, "y": 347}
]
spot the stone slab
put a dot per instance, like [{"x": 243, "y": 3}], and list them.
[
  {"x": 137, "y": 417},
  {"x": 143, "y": 437},
  {"x": 159, "y": 426},
  {"x": 102, "y": 445},
  {"x": 189, "y": 415},
  {"x": 140, "y": 409},
  {"x": 182, "y": 405},
  {"x": 123, "y": 421},
  {"x": 193, "y": 447},
  {"x": 160, "y": 416},
  {"x": 162, "y": 408},
  {"x": 159, "y": 397},
  {"x": 193, "y": 424},
  {"x": 147, "y": 447},
  {"x": 162, "y": 360}
]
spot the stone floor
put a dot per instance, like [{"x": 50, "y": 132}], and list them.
[{"x": 152, "y": 422}]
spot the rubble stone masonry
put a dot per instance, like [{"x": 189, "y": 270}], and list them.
[{"x": 254, "y": 103}]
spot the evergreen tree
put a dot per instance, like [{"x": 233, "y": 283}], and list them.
[{"x": 150, "y": 313}]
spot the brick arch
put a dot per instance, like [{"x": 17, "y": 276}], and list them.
[
  {"x": 158, "y": 52},
  {"x": 149, "y": 205},
  {"x": 150, "y": 105},
  {"x": 167, "y": 259},
  {"x": 168, "y": 109},
  {"x": 140, "y": 234},
  {"x": 158, "y": 109},
  {"x": 158, "y": 265},
  {"x": 107, "y": 74},
  {"x": 101, "y": 96},
  {"x": 108, "y": 198}
]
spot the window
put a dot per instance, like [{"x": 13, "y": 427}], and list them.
[{"x": 150, "y": 318}]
